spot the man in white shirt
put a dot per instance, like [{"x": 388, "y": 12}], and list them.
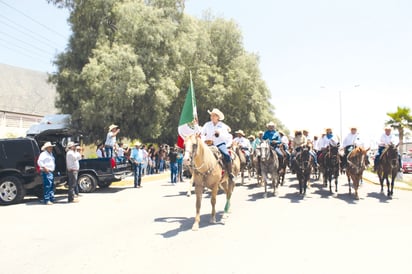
[
  {"x": 386, "y": 139},
  {"x": 72, "y": 164},
  {"x": 47, "y": 165},
  {"x": 216, "y": 133},
  {"x": 243, "y": 143},
  {"x": 351, "y": 140}
]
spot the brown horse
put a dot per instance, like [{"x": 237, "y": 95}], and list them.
[
  {"x": 356, "y": 164},
  {"x": 330, "y": 166},
  {"x": 303, "y": 166},
  {"x": 388, "y": 166},
  {"x": 244, "y": 165},
  {"x": 207, "y": 172},
  {"x": 283, "y": 163}
]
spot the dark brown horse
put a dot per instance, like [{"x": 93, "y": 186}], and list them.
[
  {"x": 244, "y": 165},
  {"x": 283, "y": 163},
  {"x": 330, "y": 166},
  {"x": 303, "y": 166},
  {"x": 207, "y": 172},
  {"x": 388, "y": 166},
  {"x": 356, "y": 164}
]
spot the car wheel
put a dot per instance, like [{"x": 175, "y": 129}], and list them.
[
  {"x": 11, "y": 190},
  {"x": 87, "y": 183}
]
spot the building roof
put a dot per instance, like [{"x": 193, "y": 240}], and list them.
[{"x": 26, "y": 91}]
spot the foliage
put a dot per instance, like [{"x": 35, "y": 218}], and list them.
[
  {"x": 128, "y": 63},
  {"x": 400, "y": 120}
]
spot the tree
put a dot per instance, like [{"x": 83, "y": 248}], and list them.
[
  {"x": 128, "y": 63},
  {"x": 400, "y": 120}
]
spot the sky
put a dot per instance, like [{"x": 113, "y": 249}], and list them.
[{"x": 327, "y": 63}]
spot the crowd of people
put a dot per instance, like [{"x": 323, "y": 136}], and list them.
[{"x": 156, "y": 159}]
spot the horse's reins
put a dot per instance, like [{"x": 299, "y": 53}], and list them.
[{"x": 197, "y": 169}]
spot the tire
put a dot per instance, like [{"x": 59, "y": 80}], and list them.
[
  {"x": 104, "y": 184},
  {"x": 11, "y": 190},
  {"x": 87, "y": 183}
]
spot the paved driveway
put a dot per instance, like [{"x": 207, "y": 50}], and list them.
[{"x": 148, "y": 230}]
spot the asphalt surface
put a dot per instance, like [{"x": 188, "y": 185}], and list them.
[{"x": 148, "y": 230}]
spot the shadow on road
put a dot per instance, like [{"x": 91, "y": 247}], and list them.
[
  {"x": 185, "y": 224},
  {"x": 379, "y": 196}
]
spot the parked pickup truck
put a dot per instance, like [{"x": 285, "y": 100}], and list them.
[{"x": 100, "y": 172}]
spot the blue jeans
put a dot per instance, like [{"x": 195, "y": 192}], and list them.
[
  {"x": 48, "y": 186},
  {"x": 137, "y": 174},
  {"x": 223, "y": 149},
  {"x": 109, "y": 151},
  {"x": 173, "y": 172}
]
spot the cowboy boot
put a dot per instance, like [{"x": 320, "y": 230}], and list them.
[{"x": 228, "y": 166}]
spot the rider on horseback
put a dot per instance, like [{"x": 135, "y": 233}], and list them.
[
  {"x": 274, "y": 138},
  {"x": 328, "y": 140},
  {"x": 244, "y": 144},
  {"x": 387, "y": 138},
  {"x": 351, "y": 141},
  {"x": 298, "y": 142},
  {"x": 216, "y": 133}
]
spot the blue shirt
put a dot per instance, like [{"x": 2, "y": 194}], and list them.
[
  {"x": 272, "y": 135},
  {"x": 136, "y": 156}
]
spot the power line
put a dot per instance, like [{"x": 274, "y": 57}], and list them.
[{"x": 30, "y": 18}]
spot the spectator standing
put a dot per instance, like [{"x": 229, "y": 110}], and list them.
[
  {"x": 145, "y": 160},
  {"x": 137, "y": 159},
  {"x": 180, "y": 164},
  {"x": 46, "y": 163},
  {"x": 173, "y": 165},
  {"x": 120, "y": 153},
  {"x": 80, "y": 153},
  {"x": 72, "y": 164},
  {"x": 100, "y": 151},
  {"x": 111, "y": 140}
]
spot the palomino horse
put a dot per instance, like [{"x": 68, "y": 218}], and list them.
[
  {"x": 207, "y": 172},
  {"x": 303, "y": 166},
  {"x": 388, "y": 166},
  {"x": 269, "y": 165},
  {"x": 356, "y": 164},
  {"x": 330, "y": 164},
  {"x": 244, "y": 165}
]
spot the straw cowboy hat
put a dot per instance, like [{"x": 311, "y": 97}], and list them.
[
  {"x": 112, "y": 126},
  {"x": 217, "y": 112},
  {"x": 260, "y": 132},
  {"x": 137, "y": 144},
  {"x": 251, "y": 137},
  {"x": 387, "y": 127},
  {"x": 270, "y": 124},
  {"x": 240, "y": 132},
  {"x": 71, "y": 144},
  {"x": 46, "y": 145}
]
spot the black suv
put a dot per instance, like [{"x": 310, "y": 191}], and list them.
[{"x": 19, "y": 172}]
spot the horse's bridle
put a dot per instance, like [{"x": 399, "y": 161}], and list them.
[{"x": 192, "y": 155}]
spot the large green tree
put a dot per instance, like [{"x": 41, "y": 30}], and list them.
[{"x": 128, "y": 63}]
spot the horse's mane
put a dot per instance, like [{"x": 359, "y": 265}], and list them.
[{"x": 204, "y": 152}]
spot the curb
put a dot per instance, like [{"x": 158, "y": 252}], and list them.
[{"x": 375, "y": 183}]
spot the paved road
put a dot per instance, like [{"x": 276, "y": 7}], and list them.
[{"x": 148, "y": 230}]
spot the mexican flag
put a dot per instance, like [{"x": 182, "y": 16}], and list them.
[{"x": 188, "y": 116}]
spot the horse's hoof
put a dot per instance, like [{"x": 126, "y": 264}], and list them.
[{"x": 195, "y": 227}]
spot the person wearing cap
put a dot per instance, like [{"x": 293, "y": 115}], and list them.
[
  {"x": 111, "y": 140},
  {"x": 258, "y": 140},
  {"x": 136, "y": 157},
  {"x": 72, "y": 164},
  {"x": 243, "y": 143},
  {"x": 46, "y": 163},
  {"x": 216, "y": 133},
  {"x": 387, "y": 138}
]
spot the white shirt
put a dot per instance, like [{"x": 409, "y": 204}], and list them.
[
  {"x": 110, "y": 139},
  {"x": 352, "y": 139},
  {"x": 388, "y": 139},
  {"x": 325, "y": 142},
  {"x": 46, "y": 160},
  {"x": 243, "y": 142},
  {"x": 209, "y": 130},
  {"x": 72, "y": 160}
]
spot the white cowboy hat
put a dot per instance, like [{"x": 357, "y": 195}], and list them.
[
  {"x": 270, "y": 124},
  {"x": 217, "y": 112},
  {"x": 112, "y": 126},
  {"x": 46, "y": 145},
  {"x": 240, "y": 132},
  {"x": 71, "y": 144},
  {"x": 137, "y": 144},
  {"x": 387, "y": 127}
]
